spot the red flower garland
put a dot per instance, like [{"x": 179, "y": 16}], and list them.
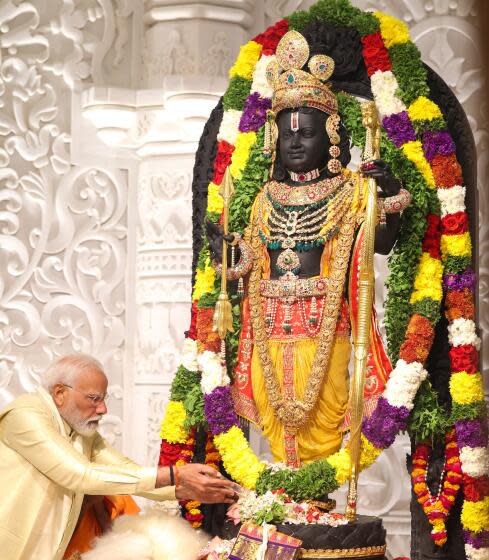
[
  {"x": 454, "y": 224},
  {"x": 464, "y": 358},
  {"x": 169, "y": 453},
  {"x": 208, "y": 338},
  {"x": 271, "y": 37},
  {"x": 476, "y": 489},
  {"x": 431, "y": 241},
  {"x": 375, "y": 54},
  {"x": 223, "y": 159},
  {"x": 437, "y": 508},
  {"x": 181, "y": 454}
]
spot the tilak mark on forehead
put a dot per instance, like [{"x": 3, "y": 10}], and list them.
[{"x": 294, "y": 121}]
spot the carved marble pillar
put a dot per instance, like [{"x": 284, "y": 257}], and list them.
[{"x": 63, "y": 225}]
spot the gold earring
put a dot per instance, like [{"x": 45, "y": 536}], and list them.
[
  {"x": 271, "y": 135},
  {"x": 332, "y": 125}
]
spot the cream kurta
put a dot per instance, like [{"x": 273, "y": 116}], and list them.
[{"x": 46, "y": 468}]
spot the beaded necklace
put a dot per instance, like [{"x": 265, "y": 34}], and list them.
[{"x": 298, "y": 227}]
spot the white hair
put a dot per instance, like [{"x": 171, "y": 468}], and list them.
[{"x": 67, "y": 369}]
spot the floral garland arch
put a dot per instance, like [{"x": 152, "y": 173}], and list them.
[{"x": 431, "y": 264}]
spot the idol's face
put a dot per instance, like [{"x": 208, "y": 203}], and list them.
[{"x": 303, "y": 141}]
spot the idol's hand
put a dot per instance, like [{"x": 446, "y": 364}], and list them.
[
  {"x": 215, "y": 236},
  {"x": 205, "y": 484},
  {"x": 386, "y": 181}
]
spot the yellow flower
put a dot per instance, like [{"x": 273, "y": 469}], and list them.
[
  {"x": 204, "y": 281},
  {"x": 466, "y": 388},
  {"x": 240, "y": 155},
  {"x": 340, "y": 461},
  {"x": 428, "y": 280},
  {"x": 393, "y": 30},
  {"x": 438, "y": 526},
  {"x": 414, "y": 152},
  {"x": 423, "y": 108},
  {"x": 246, "y": 61},
  {"x": 172, "y": 426},
  {"x": 475, "y": 515},
  {"x": 238, "y": 459},
  {"x": 458, "y": 245},
  {"x": 215, "y": 203},
  {"x": 369, "y": 453}
]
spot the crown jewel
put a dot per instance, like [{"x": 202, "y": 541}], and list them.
[{"x": 294, "y": 87}]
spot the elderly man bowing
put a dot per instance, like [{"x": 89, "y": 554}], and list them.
[{"x": 51, "y": 455}]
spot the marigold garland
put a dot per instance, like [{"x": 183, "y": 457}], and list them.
[
  {"x": 437, "y": 508},
  {"x": 172, "y": 427}
]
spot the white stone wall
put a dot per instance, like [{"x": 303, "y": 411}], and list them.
[{"x": 101, "y": 107}]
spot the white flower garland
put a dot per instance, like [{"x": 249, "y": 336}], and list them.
[
  {"x": 189, "y": 355},
  {"x": 476, "y": 553},
  {"x": 403, "y": 383},
  {"x": 260, "y": 83},
  {"x": 462, "y": 331},
  {"x": 384, "y": 87},
  {"x": 451, "y": 200},
  {"x": 229, "y": 128},
  {"x": 475, "y": 461},
  {"x": 213, "y": 373}
]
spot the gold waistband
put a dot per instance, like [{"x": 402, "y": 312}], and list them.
[
  {"x": 293, "y": 287},
  {"x": 365, "y": 552}
]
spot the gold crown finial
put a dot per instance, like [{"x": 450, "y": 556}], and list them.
[{"x": 294, "y": 87}]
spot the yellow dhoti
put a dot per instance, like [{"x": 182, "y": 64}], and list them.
[{"x": 322, "y": 434}]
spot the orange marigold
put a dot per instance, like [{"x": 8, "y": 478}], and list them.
[
  {"x": 459, "y": 304},
  {"x": 446, "y": 171}
]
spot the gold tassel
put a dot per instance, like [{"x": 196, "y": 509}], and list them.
[{"x": 222, "y": 321}]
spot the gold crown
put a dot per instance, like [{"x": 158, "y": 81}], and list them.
[{"x": 293, "y": 87}]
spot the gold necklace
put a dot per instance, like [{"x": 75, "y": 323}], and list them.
[
  {"x": 300, "y": 195},
  {"x": 306, "y": 225}
]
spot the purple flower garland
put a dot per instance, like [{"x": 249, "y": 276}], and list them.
[
  {"x": 219, "y": 410},
  {"x": 460, "y": 281},
  {"x": 254, "y": 113},
  {"x": 385, "y": 422},
  {"x": 471, "y": 433},
  {"x": 437, "y": 143},
  {"x": 399, "y": 128}
]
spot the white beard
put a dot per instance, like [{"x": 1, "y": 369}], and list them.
[{"x": 84, "y": 426}]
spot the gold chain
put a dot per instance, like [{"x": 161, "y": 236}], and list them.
[{"x": 294, "y": 414}]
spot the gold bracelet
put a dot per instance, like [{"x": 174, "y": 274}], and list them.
[
  {"x": 392, "y": 205},
  {"x": 244, "y": 264},
  {"x": 397, "y": 203}
]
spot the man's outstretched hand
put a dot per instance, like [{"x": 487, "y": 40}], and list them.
[{"x": 205, "y": 484}]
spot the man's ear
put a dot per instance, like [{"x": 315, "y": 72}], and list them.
[{"x": 58, "y": 393}]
